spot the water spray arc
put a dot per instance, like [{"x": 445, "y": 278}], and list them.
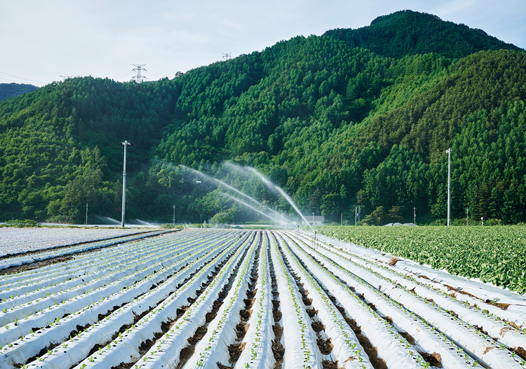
[
  {"x": 108, "y": 219},
  {"x": 278, "y": 214},
  {"x": 247, "y": 205},
  {"x": 235, "y": 190},
  {"x": 221, "y": 182},
  {"x": 273, "y": 186},
  {"x": 266, "y": 182},
  {"x": 270, "y": 185},
  {"x": 144, "y": 223}
]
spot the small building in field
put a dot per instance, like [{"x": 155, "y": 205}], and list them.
[{"x": 313, "y": 220}]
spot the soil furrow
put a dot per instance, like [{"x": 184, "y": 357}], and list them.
[
  {"x": 188, "y": 351},
  {"x": 238, "y": 346},
  {"x": 277, "y": 348}
]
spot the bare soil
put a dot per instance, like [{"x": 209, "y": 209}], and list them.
[
  {"x": 372, "y": 352},
  {"x": 327, "y": 364},
  {"x": 317, "y": 326},
  {"x": 434, "y": 359},
  {"x": 325, "y": 346},
  {"x": 278, "y": 350},
  {"x": 408, "y": 337},
  {"x": 521, "y": 352},
  {"x": 35, "y": 265},
  {"x": 235, "y": 351}
]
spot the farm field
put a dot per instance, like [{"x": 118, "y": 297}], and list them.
[
  {"x": 44, "y": 256},
  {"x": 494, "y": 255},
  {"x": 212, "y": 298},
  {"x": 20, "y": 240}
]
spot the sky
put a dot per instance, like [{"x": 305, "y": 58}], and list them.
[{"x": 42, "y": 40}]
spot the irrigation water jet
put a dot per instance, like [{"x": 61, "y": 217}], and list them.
[
  {"x": 247, "y": 205},
  {"x": 275, "y": 212},
  {"x": 108, "y": 219},
  {"x": 273, "y": 186},
  {"x": 265, "y": 181},
  {"x": 220, "y": 181},
  {"x": 235, "y": 190},
  {"x": 142, "y": 222}
]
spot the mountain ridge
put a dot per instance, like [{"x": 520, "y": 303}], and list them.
[
  {"x": 336, "y": 126},
  {"x": 413, "y": 37}
]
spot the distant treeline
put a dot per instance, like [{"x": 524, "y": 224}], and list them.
[{"x": 8, "y": 90}]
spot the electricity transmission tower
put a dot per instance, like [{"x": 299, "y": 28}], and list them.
[
  {"x": 139, "y": 69},
  {"x": 227, "y": 56},
  {"x": 67, "y": 77}
]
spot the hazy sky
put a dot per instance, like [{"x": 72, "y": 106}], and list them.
[{"x": 43, "y": 39}]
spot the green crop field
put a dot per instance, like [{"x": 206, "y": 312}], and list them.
[{"x": 492, "y": 254}]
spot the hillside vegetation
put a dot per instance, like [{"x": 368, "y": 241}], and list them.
[
  {"x": 353, "y": 117},
  {"x": 8, "y": 90}
]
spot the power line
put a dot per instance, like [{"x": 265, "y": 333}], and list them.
[
  {"x": 5, "y": 79},
  {"x": 125, "y": 75},
  {"x": 154, "y": 75},
  {"x": 31, "y": 80},
  {"x": 139, "y": 69}
]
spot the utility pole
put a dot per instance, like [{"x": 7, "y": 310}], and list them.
[
  {"x": 125, "y": 143},
  {"x": 174, "y": 216},
  {"x": 86, "y": 215},
  {"x": 467, "y": 215},
  {"x": 341, "y": 219},
  {"x": 448, "y": 185},
  {"x": 414, "y": 215},
  {"x": 139, "y": 69}
]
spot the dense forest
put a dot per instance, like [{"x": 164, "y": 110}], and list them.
[
  {"x": 352, "y": 117},
  {"x": 8, "y": 90}
]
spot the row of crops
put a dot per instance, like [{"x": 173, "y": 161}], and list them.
[
  {"x": 247, "y": 299},
  {"x": 20, "y": 240},
  {"x": 495, "y": 255},
  {"x": 77, "y": 247}
]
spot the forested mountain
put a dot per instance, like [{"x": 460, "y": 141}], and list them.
[
  {"x": 410, "y": 33},
  {"x": 8, "y": 90},
  {"x": 353, "y": 117}
]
